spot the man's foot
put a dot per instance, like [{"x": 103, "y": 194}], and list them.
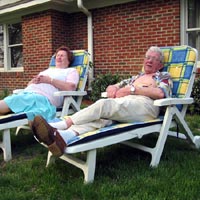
[
  {"x": 43, "y": 131},
  {"x": 48, "y": 135}
]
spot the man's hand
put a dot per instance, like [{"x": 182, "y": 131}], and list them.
[
  {"x": 111, "y": 91},
  {"x": 122, "y": 92}
]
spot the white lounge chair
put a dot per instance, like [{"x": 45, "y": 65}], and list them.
[{"x": 181, "y": 62}]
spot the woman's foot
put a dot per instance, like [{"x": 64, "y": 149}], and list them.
[{"x": 48, "y": 135}]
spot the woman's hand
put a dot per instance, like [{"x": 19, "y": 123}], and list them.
[
  {"x": 43, "y": 79},
  {"x": 40, "y": 79}
]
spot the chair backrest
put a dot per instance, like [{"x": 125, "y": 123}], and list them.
[
  {"x": 181, "y": 63},
  {"x": 81, "y": 63}
]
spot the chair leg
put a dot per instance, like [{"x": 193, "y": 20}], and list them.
[
  {"x": 88, "y": 166},
  {"x": 196, "y": 141},
  {"x": 189, "y": 133},
  {"x": 158, "y": 149},
  {"x": 50, "y": 159},
  {"x": 22, "y": 127},
  {"x": 6, "y": 145}
]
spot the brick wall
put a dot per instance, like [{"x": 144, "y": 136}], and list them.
[
  {"x": 77, "y": 31},
  {"x": 37, "y": 47},
  {"x": 42, "y": 34},
  {"x": 122, "y": 34}
]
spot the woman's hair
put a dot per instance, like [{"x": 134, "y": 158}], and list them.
[
  {"x": 69, "y": 53},
  {"x": 158, "y": 50}
]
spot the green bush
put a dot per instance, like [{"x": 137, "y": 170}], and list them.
[
  {"x": 4, "y": 93},
  {"x": 100, "y": 84},
  {"x": 195, "y": 107}
]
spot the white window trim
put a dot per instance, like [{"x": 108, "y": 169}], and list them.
[
  {"x": 7, "y": 55},
  {"x": 183, "y": 24}
]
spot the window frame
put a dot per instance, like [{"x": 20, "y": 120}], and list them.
[
  {"x": 7, "y": 50},
  {"x": 184, "y": 25}
]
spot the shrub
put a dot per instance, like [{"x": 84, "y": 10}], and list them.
[
  {"x": 195, "y": 107},
  {"x": 4, "y": 93},
  {"x": 100, "y": 84}
]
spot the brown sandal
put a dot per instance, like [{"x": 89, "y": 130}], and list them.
[
  {"x": 48, "y": 135},
  {"x": 57, "y": 148},
  {"x": 43, "y": 131}
]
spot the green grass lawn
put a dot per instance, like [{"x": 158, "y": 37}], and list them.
[{"x": 121, "y": 173}]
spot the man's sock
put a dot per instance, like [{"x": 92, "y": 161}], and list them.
[
  {"x": 60, "y": 125},
  {"x": 67, "y": 135}
]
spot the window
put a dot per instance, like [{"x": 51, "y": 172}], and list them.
[
  {"x": 190, "y": 24},
  {"x": 193, "y": 28},
  {"x": 1, "y": 48},
  {"x": 11, "y": 58}
]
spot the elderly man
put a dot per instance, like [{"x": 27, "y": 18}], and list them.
[{"x": 128, "y": 101}]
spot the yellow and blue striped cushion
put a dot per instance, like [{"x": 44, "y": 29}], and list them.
[
  {"x": 179, "y": 62},
  {"x": 111, "y": 130},
  {"x": 12, "y": 117}
]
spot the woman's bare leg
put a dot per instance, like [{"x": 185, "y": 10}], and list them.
[{"x": 3, "y": 107}]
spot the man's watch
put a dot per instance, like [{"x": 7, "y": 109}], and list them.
[{"x": 132, "y": 89}]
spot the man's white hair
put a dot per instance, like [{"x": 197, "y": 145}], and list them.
[{"x": 158, "y": 50}]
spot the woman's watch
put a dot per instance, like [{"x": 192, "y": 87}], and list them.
[{"x": 132, "y": 89}]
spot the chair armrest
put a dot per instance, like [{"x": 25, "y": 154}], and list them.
[
  {"x": 167, "y": 101},
  {"x": 173, "y": 101},
  {"x": 17, "y": 91},
  {"x": 104, "y": 94},
  {"x": 70, "y": 93}
]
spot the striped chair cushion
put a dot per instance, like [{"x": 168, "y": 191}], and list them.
[{"x": 179, "y": 62}]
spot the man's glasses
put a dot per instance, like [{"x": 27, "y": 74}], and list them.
[{"x": 154, "y": 59}]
